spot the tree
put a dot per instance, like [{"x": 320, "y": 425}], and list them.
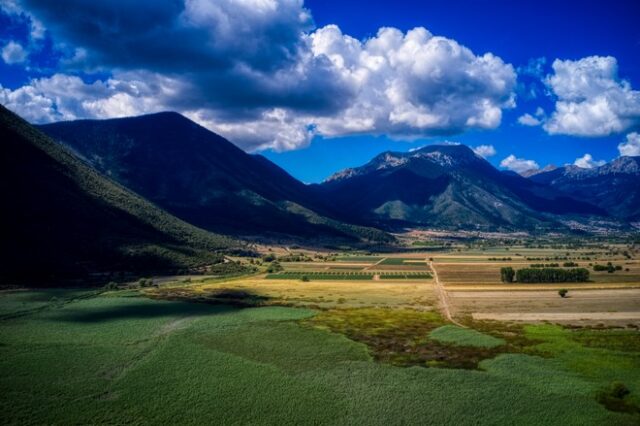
[
  {"x": 552, "y": 275},
  {"x": 304, "y": 279},
  {"x": 563, "y": 292},
  {"x": 507, "y": 274}
]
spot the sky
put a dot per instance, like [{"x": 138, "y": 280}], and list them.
[{"x": 323, "y": 85}]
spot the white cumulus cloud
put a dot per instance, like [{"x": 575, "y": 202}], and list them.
[
  {"x": 587, "y": 162},
  {"x": 631, "y": 147},
  {"x": 528, "y": 120},
  {"x": 591, "y": 99},
  {"x": 13, "y": 53},
  {"x": 259, "y": 73},
  {"x": 518, "y": 165},
  {"x": 485, "y": 151},
  {"x": 413, "y": 83}
]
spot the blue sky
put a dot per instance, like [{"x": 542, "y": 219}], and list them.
[{"x": 300, "y": 84}]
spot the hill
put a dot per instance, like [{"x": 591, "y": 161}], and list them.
[
  {"x": 62, "y": 219},
  {"x": 204, "y": 179}
]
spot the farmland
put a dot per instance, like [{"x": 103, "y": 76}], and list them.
[{"x": 273, "y": 348}]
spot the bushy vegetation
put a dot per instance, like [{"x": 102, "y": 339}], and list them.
[
  {"x": 609, "y": 267},
  {"x": 295, "y": 257},
  {"x": 274, "y": 267},
  {"x": 544, "y": 265}
]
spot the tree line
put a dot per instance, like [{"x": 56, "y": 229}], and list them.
[{"x": 544, "y": 275}]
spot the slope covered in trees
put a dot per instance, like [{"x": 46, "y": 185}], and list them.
[{"x": 61, "y": 219}]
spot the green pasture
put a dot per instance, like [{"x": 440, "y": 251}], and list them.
[{"x": 114, "y": 358}]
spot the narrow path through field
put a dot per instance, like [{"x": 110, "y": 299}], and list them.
[
  {"x": 443, "y": 296},
  {"x": 377, "y": 263}
]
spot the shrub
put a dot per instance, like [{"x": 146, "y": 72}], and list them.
[
  {"x": 304, "y": 278},
  {"x": 274, "y": 267},
  {"x": 563, "y": 292},
  {"x": 618, "y": 390},
  {"x": 614, "y": 398}
]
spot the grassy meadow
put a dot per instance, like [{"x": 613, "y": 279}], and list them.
[{"x": 88, "y": 357}]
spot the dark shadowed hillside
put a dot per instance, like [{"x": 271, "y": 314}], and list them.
[
  {"x": 61, "y": 219},
  {"x": 203, "y": 178}
]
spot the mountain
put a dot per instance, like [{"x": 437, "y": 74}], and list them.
[
  {"x": 533, "y": 172},
  {"x": 203, "y": 178},
  {"x": 447, "y": 186},
  {"x": 61, "y": 219},
  {"x": 614, "y": 187}
]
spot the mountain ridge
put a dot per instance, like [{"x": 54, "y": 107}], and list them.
[
  {"x": 203, "y": 178},
  {"x": 215, "y": 185},
  {"x": 456, "y": 187},
  {"x": 67, "y": 220},
  {"x": 612, "y": 186}
]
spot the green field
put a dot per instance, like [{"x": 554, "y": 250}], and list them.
[
  {"x": 459, "y": 336},
  {"x": 405, "y": 276},
  {"x": 86, "y": 358}
]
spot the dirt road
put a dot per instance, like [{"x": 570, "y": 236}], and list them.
[{"x": 443, "y": 297}]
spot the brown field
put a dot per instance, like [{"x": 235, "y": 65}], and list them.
[
  {"x": 582, "y": 306},
  {"x": 483, "y": 273},
  {"x": 474, "y": 290}
]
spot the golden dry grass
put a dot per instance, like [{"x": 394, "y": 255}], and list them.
[{"x": 324, "y": 294}]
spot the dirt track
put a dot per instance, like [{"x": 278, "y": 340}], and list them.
[{"x": 443, "y": 297}]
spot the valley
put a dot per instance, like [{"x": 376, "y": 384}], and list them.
[
  {"x": 309, "y": 343},
  {"x": 322, "y": 213},
  {"x": 426, "y": 285}
]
